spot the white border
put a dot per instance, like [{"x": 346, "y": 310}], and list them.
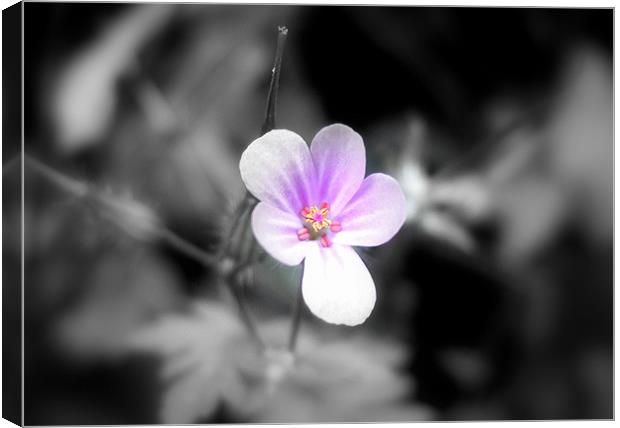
[{"x": 481, "y": 3}]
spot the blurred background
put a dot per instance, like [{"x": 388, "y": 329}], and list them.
[{"x": 494, "y": 301}]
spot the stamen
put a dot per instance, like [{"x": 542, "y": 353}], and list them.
[
  {"x": 317, "y": 217},
  {"x": 303, "y": 234},
  {"x": 316, "y": 222}
]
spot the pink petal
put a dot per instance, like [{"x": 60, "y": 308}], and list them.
[
  {"x": 276, "y": 231},
  {"x": 340, "y": 160},
  {"x": 277, "y": 168},
  {"x": 374, "y": 214},
  {"x": 337, "y": 286}
]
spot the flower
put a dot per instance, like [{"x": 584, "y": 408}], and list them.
[{"x": 315, "y": 204}]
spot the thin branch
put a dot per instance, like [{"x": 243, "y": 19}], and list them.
[
  {"x": 62, "y": 181},
  {"x": 247, "y": 319},
  {"x": 237, "y": 215},
  {"x": 187, "y": 248},
  {"x": 80, "y": 189},
  {"x": 272, "y": 96},
  {"x": 249, "y": 251},
  {"x": 249, "y": 201},
  {"x": 225, "y": 272},
  {"x": 296, "y": 322},
  {"x": 229, "y": 274},
  {"x": 268, "y": 124},
  {"x": 83, "y": 190}
]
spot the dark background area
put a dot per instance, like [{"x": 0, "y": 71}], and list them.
[{"x": 11, "y": 274}]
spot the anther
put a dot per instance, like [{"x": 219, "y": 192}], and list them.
[
  {"x": 303, "y": 234},
  {"x": 325, "y": 241},
  {"x": 335, "y": 226}
]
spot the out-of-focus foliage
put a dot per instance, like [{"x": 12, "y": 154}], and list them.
[
  {"x": 201, "y": 352},
  {"x": 358, "y": 380},
  {"x": 580, "y": 133},
  {"x": 209, "y": 362},
  {"x": 85, "y": 95},
  {"x": 123, "y": 291}
]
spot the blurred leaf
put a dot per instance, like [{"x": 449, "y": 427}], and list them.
[
  {"x": 85, "y": 97},
  {"x": 562, "y": 171},
  {"x": 415, "y": 184},
  {"x": 208, "y": 361},
  {"x": 446, "y": 228},
  {"x": 532, "y": 208},
  {"x": 581, "y": 139},
  {"x": 351, "y": 380},
  {"x": 198, "y": 352},
  {"x": 122, "y": 291},
  {"x": 466, "y": 197}
]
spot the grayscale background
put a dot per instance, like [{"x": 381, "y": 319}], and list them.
[{"x": 494, "y": 300}]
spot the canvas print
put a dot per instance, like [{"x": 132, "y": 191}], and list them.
[{"x": 303, "y": 214}]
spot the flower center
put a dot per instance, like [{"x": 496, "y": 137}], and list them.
[
  {"x": 317, "y": 218},
  {"x": 316, "y": 224}
]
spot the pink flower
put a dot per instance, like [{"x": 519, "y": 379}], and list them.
[{"x": 315, "y": 205}]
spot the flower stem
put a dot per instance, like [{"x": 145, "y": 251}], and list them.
[
  {"x": 237, "y": 214},
  {"x": 268, "y": 125},
  {"x": 296, "y": 322},
  {"x": 248, "y": 202},
  {"x": 274, "y": 84},
  {"x": 247, "y": 319}
]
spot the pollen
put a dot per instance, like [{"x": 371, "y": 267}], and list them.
[
  {"x": 317, "y": 217},
  {"x": 317, "y": 225}
]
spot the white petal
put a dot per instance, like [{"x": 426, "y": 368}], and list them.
[
  {"x": 276, "y": 232},
  {"x": 277, "y": 168},
  {"x": 337, "y": 286}
]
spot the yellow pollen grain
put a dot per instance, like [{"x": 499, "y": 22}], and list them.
[{"x": 317, "y": 225}]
